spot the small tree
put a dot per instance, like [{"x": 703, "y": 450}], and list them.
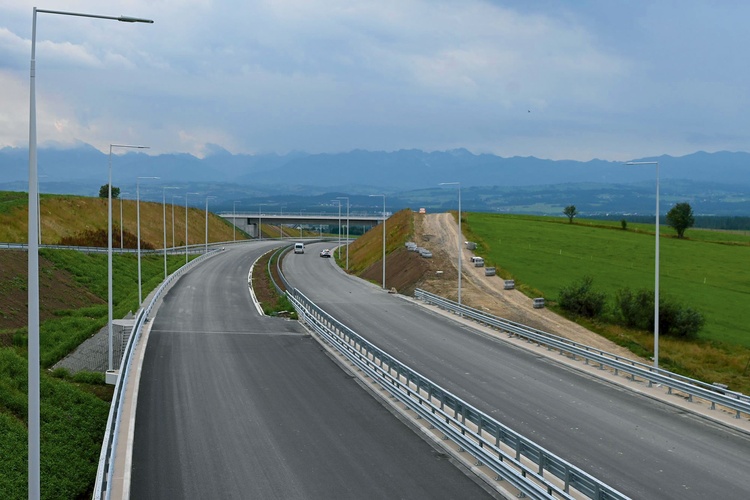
[
  {"x": 104, "y": 191},
  {"x": 680, "y": 217},
  {"x": 624, "y": 224},
  {"x": 570, "y": 212},
  {"x": 581, "y": 298}
]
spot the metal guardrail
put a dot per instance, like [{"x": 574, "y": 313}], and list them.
[
  {"x": 192, "y": 249},
  {"x": 102, "y": 485},
  {"x": 532, "y": 470},
  {"x": 715, "y": 395},
  {"x": 278, "y": 255}
]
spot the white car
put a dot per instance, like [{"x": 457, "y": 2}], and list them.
[{"x": 325, "y": 253}]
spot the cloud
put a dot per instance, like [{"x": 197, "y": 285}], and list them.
[{"x": 552, "y": 79}]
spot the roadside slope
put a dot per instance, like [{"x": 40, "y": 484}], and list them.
[{"x": 438, "y": 232}]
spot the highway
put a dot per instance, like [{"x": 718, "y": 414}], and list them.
[
  {"x": 642, "y": 447},
  {"x": 235, "y": 405}
]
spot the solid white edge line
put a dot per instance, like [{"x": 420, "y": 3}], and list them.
[{"x": 250, "y": 288}]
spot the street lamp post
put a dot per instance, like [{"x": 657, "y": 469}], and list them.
[
  {"x": 173, "y": 197},
  {"x": 138, "y": 216},
  {"x": 383, "y": 236},
  {"x": 122, "y": 234},
  {"x": 186, "y": 225},
  {"x": 656, "y": 265},
  {"x": 164, "y": 213},
  {"x": 207, "y": 198},
  {"x": 260, "y": 221},
  {"x": 110, "y": 274},
  {"x": 39, "y": 205},
  {"x": 347, "y": 229},
  {"x": 234, "y": 220},
  {"x": 34, "y": 486},
  {"x": 460, "y": 247},
  {"x": 339, "y": 245}
]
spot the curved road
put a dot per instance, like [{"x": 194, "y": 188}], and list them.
[
  {"x": 642, "y": 447},
  {"x": 235, "y": 405}
]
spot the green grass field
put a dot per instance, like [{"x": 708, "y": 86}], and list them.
[{"x": 708, "y": 270}]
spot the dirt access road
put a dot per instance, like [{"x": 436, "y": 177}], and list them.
[{"x": 439, "y": 234}]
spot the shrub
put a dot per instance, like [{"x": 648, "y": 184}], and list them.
[
  {"x": 636, "y": 310},
  {"x": 580, "y": 298}
]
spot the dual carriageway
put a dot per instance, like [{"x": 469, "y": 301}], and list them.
[{"x": 249, "y": 406}]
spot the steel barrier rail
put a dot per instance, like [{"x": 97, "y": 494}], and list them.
[
  {"x": 736, "y": 401},
  {"x": 278, "y": 255},
  {"x": 508, "y": 454},
  {"x": 192, "y": 249},
  {"x": 102, "y": 485}
]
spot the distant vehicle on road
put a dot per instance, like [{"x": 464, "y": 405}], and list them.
[
  {"x": 325, "y": 253},
  {"x": 299, "y": 248}
]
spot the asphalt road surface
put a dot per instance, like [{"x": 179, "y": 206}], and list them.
[
  {"x": 235, "y": 405},
  {"x": 642, "y": 447}
]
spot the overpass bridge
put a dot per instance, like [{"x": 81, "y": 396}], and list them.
[{"x": 250, "y": 221}]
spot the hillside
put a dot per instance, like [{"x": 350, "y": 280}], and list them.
[{"x": 85, "y": 218}]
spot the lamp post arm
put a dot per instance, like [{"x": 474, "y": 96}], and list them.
[{"x": 122, "y": 19}]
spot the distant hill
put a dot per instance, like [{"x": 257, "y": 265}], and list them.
[{"x": 720, "y": 181}]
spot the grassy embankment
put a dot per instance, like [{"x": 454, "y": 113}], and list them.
[
  {"x": 367, "y": 250},
  {"x": 707, "y": 271},
  {"x": 73, "y": 409}
]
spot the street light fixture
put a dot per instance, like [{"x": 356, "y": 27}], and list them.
[
  {"x": 656, "y": 265},
  {"x": 383, "y": 236},
  {"x": 347, "y": 229},
  {"x": 460, "y": 235},
  {"x": 234, "y": 220},
  {"x": 164, "y": 211},
  {"x": 207, "y": 198},
  {"x": 34, "y": 487},
  {"x": 186, "y": 225},
  {"x": 138, "y": 215}
]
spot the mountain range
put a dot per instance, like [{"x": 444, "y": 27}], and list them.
[{"x": 716, "y": 183}]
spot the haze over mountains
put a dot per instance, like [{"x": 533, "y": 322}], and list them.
[{"x": 713, "y": 182}]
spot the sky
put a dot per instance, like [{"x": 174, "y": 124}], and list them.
[{"x": 557, "y": 79}]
